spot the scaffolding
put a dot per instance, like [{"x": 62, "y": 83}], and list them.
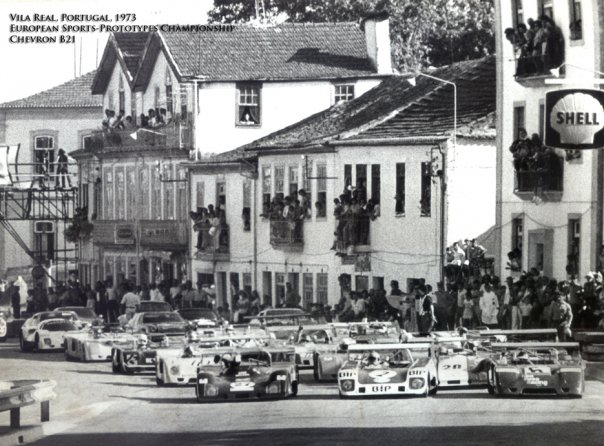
[{"x": 41, "y": 193}]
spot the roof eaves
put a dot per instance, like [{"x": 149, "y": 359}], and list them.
[
  {"x": 392, "y": 141},
  {"x": 169, "y": 55}
]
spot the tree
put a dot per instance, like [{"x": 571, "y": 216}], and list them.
[{"x": 422, "y": 32}]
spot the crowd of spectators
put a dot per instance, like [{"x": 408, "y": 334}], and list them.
[
  {"x": 538, "y": 47},
  {"x": 537, "y": 166},
  {"x": 210, "y": 225},
  {"x": 293, "y": 207},
  {"x": 353, "y": 213}
]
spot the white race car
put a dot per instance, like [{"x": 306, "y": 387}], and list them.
[
  {"x": 30, "y": 336},
  {"x": 93, "y": 344},
  {"x": 388, "y": 369}
]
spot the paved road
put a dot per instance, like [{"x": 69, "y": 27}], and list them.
[{"x": 95, "y": 407}]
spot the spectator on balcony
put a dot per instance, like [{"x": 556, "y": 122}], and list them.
[
  {"x": 118, "y": 123},
  {"x": 539, "y": 46},
  {"x": 521, "y": 150},
  {"x": 153, "y": 119},
  {"x": 144, "y": 120},
  {"x": 304, "y": 203},
  {"x": 554, "y": 47},
  {"x": 62, "y": 170},
  {"x": 128, "y": 123}
]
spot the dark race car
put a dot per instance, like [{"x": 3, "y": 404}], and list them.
[
  {"x": 536, "y": 368},
  {"x": 247, "y": 373},
  {"x": 139, "y": 355},
  {"x": 200, "y": 317}
]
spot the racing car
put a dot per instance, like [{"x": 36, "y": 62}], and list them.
[
  {"x": 3, "y": 326},
  {"x": 312, "y": 339},
  {"x": 160, "y": 322},
  {"x": 536, "y": 368},
  {"x": 31, "y": 337},
  {"x": 139, "y": 355},
  {"x": 179, "y": 366},
  {"x": 94, "y": 344},
  {"x": 388, "y": 369},
  {"x": 247, "y": 373}
]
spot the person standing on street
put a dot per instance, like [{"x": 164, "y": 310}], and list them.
[
  {"x": 112, "y": 303},
  {"x": 130, "y": 301},
  {"x": 427, "y": 317},
  {"x": 489, "y": 307},
  {"x": 561, "y": 317}
]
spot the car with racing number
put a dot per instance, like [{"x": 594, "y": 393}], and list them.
[
  {"x": 29, "y": 337},
  {"x": 179, "y": 366},
  {"x": 94, "y": 344},
  {"x": 50, "y": 334},
  {"x": 388, "y": 369},
  {"x": 310, "y": 340},
  {"x": 3, "y": 326},
  {"x": 536, "y": 368},
  {"x": 139, "y": 354},
  {"x": 246, "y": 373}
]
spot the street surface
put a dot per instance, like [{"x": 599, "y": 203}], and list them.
[{"x": 96, "y": 407}]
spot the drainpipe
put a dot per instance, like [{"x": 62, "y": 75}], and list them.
[{"x": 254, "y": 212}]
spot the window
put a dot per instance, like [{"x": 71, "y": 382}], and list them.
[
  {"x": 517, "y": 13},
  {"x": 84, "y": 195},
  {"x": 120, "y": 190},
  {"x": 247, "y": 205},
  {"x": 169, "y": 98},
  {"x": 574, "y": 245},
  {"x": 44, "y": 153},
  {"x": 143, "y": 180},
  {"x": 321, "y": 190},
  {"x": 541, "y": 119},
  {"x": 280, "y": 287},
  {"x": 519, "y": 122},
  {"x": 343, "y": 92},
  {"x": 108, "y": 194},
  {"x": 248, "y": 104},
  {"x": 515, "y": 256},
  {"x": 156, "y": 195},
  {"x": 347, "y": 176},
  {"x": 279, "y": 180},
  {"x": 168, "y": 175},
  {"x": 293, "y": 181},
  {"x": 181, "y": 194},
  {"x": 122, "y": 97},
  {"x": 156, "y": 97},
  {"x": 375, "y": 183},
  {"x": 546, "y": 7},
  {"x": 247, "y": 282},
  {"x": 322, "y": 288},
  {"x": 133, "y": 107},
  {"x": 97, "y": 193},
  {"x": 378, "y": 283},
  {"x": 131, "y": 210},
  {"x": 426, "y": 185},
  {"x": 307, "y": 291},
  {"x": 361, "y": 182},
  {"x": 87, "y": 142},
  {"x": 221, "y": 196},
  {"x": 266, "y": 190},
  {"x": 399, "y": 207},
  {"x": 576, "y": 22},
  {"x": 108, "y": 268},
  {"x": 184, "y": 101},
  {"x": 267, "y": 288},
  {"x": 199, "y": 194},
  {"x": 361, "y": 283}
]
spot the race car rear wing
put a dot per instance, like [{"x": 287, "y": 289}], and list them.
[
  {"x": 534, "y": 345},
  {"x": 532, "y": 331},
  {"x": 377, "y": 347}
]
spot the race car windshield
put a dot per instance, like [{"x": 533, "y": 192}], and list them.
[
  {"x": 393, "y": 357},
  {"x": 256, "y": 358},
  {"x": 284, "y": 335},
  {"x": 68, "y": 316},
  {"x": 59, "y": 326},
  {"x": 161, "y": 318},
  {"x": 197, "y": 313},
  {"x": 317, "y": 336},
  {"x": 82, "y": 312}
]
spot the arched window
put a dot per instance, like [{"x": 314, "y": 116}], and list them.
[
  {"x": 169, "y": 97},
  {"x": 122, "y": 98}
]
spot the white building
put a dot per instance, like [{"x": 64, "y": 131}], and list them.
[
  {"x": 218, "y": 90},
  {"x": 63, "y": 117},
  {"x": 388, "y": 142},
  {"x": 547, "y": 219}
]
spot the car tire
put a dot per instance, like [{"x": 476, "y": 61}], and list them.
[
  {"x": 66, "y": 352},
  {"x": 197, "y": 396},
  {"x": 115, "y": 362},
  {"x": 25, "y": 346},
  {"x": 124, "y": 368},
  {"x": 36, "y": 346},
  {"x": 294, "y": 388},
  {"x": 491, "y": 381}
]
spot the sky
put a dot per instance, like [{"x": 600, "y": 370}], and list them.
[{"x": 33, "y": 67}]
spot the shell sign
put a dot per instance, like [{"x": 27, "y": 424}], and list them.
[{"x": 574, "y": 119}]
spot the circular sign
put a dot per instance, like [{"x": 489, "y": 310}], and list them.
[{"x": 382, "y": 376}]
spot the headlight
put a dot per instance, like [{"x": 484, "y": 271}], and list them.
[
  {"x": 274, "y": 387},
  {"x": 175, "y": 370},
  {"x": 281, "y": 377},
  {"x": 202, "y": 380},
  {"x": 347, "y": 385},
  {"x": 47, "y": 341},
  {"x": 327, "y": 358},
  {"x": 416, "y": 383},
  {"x": 211, "y": 390}
]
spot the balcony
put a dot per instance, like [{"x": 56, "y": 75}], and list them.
[
  {"x": 546, "y": 184},
  {"x": 352, "y": 236},
  {"x": 287, "y": 234},
  {"x": 212, "y": 243},
  {"x": 531, "y": 71},
  {"x": 170, "y": 136}
]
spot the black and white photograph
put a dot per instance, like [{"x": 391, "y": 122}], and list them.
[{"x": 301, "y": 222}]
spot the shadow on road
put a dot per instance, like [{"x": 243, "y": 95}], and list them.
[{"x": 586, "y": 432}]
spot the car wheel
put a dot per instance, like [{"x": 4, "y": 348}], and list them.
[
  {"x": 434, "y": 389},
  {"x": 427, "y": 392},
  {"x": 115, "y": 362},
  {"x": 125, "y": 369},
  {"x": 37, "y": 346},
  {"x": 84, "y": 356},
  {"x": 197, "y": 395},
  {"x": 24, "y": 344},
  {"x": 294, "y": 388},
  {"x": 491, "y": 381}
]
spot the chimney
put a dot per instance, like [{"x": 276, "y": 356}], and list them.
[{"x": 377, "y": 36}]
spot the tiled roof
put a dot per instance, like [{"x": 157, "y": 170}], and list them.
[
  {"x": 232, "y": 156},
  {"x": 287, "y": 51},
  {"x": 132, "y": 46},
  {"x": 73, "y": 93},
  {"x": 396, "y": 109}
]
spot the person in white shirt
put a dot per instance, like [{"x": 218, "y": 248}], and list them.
[
  {"x": 154, "y": 294},
  {"x": 130, "y": 301},
  {"x": 489, "y": 307}
]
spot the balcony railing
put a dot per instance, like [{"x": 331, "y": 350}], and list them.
[
  {"x": 170, "y": 136},
  {"x": 532, "y": 70},
  {"x": 352, "y": 234},
  {"x": 212, "y": 242},
  {"x": 287, "y": 233},
  {"x": 546, "y": 183}
]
